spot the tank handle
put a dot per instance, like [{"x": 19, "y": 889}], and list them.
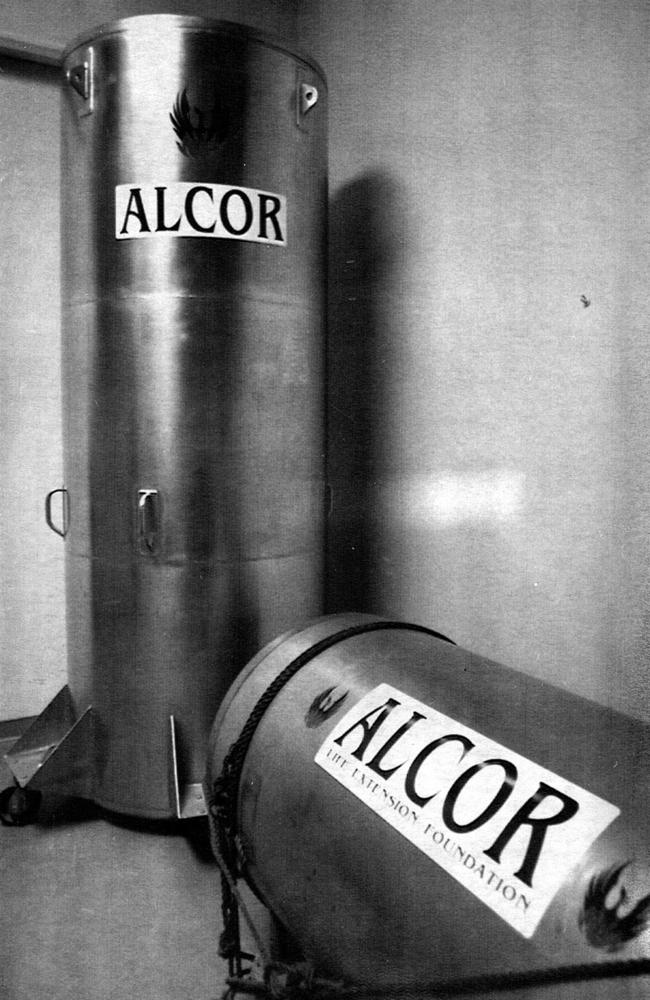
[
  {"x": 148, "y": 521},
  {"x": 65, "y": 511}
]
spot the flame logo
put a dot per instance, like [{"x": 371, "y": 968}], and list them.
[
  {"x": 324, "y": 705},
  {"x": 606, "y": 926},
  {"x": 196, "y": 131}
]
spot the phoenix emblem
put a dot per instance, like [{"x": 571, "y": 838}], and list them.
[
  {"x": 196, "y": 131},
  {"x": 324, "y": 705},
  {"x": 608, "y": 927}
]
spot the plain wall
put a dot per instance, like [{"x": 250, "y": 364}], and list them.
[
  {"x": 32, "y": 608},
  {"x": 488, "y": 426},
  {"x": 488, "y": 431},
  {"x": 56, "y": 24}
]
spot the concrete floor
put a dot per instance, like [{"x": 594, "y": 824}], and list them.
[{"x": 92, "y": 909}]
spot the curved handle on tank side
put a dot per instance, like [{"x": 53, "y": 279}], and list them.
[
  {"x": 64, "y": 510},
  {"x": 148, "y": 521}
]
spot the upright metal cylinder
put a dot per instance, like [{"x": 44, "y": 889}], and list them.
[
  {"x": 414, "y": 813},
  {"x": 194, "y": 219}
]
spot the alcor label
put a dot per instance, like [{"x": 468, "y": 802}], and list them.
[
  {"x": 507, "y": 829},
  {"x": 213, "y": 211}
]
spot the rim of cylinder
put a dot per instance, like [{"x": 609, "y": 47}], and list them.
[{"x": 195, "y": 23}]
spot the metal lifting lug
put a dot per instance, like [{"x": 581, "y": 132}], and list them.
[
  {"x": 80, "y": 78},
  {"x": 306, "y": 98}
]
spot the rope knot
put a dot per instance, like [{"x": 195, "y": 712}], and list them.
[{"x": 221, "y": 798}]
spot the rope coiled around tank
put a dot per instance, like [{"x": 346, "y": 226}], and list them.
[
  {"x": 284, "y": 983},
  {"x": 223, "y": 795}
]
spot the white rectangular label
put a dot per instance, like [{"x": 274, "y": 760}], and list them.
[
  {"x": 215, "y": 211},
  {"x": 507, "y": 829}
]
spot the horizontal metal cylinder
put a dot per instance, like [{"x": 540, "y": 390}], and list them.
[{"x": 412, "y": 812}]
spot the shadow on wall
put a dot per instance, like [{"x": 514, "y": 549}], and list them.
[
  {"x": 367, "y": 246},
  {"x": 28, "y": 71}
]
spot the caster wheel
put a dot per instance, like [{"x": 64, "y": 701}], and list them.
[{"x": 19, "y": 806}]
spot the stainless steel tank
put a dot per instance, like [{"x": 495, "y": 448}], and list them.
[
  {"x": 194, "y": 221},
  {"x": 414, "y": 813}
]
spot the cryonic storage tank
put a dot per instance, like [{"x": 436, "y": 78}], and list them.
[
  {"x": 413, "y": 813},
  {"x": 194, "y": 221}
]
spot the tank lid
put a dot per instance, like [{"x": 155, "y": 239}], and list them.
[{"x": 190, "y": 23}]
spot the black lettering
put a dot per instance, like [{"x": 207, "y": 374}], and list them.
[
  {"x": 223, "y": 212},
  {"x": 376, "y": 760},
  {"x": 368, "y": 730},
  {"x": 161, "y": 227},
  {"x": 411, "y": 775},
  {"x": 138, "y": 212},
  {"x": 189, "y": 209},
  {"x": 538, "y": 829},
  {"x": 269, "y": 214},
  {"x": 494, "y": 806}
]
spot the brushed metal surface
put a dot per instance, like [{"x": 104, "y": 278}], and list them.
[
  {"x": 359, "y": 899},
  {"x": 193, "y": 375}
]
